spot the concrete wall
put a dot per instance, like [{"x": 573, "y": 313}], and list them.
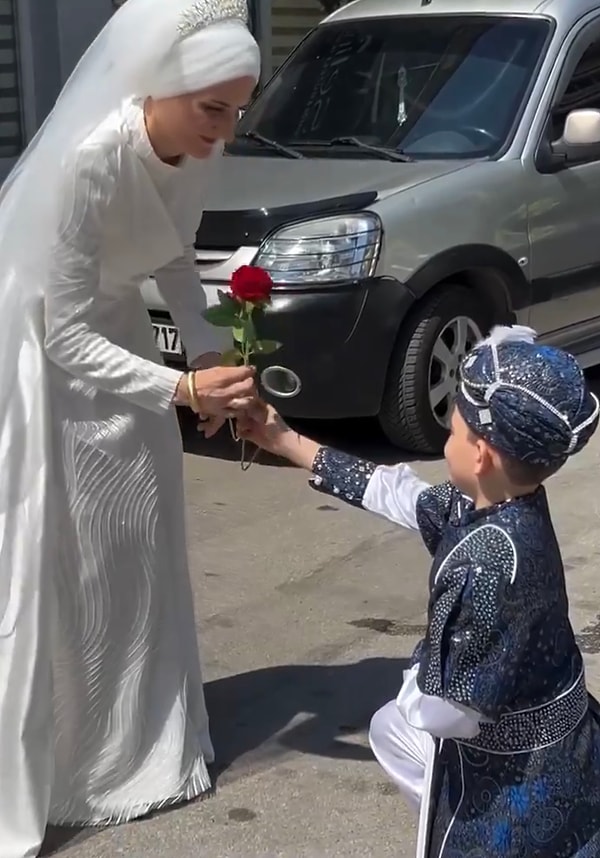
[
  {"x": 52, "y": 35},
  {"x": 79, "y": 21}
]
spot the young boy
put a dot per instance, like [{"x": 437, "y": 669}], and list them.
[{"x": 493, "y": 735}]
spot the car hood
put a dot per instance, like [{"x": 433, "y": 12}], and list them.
[{"x": 256, "y": 182}]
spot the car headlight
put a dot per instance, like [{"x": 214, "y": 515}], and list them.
[{"x": 325, "y": 251}]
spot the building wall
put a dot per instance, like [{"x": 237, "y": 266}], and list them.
[
  {"x": 12, "y": 131},
  {"x": 40, "y": 43},
  {"x": 79, "y": 22},
  {"x": 291, "y": 20}
]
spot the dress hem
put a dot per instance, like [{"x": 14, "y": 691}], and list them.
[{"x": 198, "y": 786}]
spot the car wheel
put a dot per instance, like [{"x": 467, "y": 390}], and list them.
[{"x": 422, "y": 379}]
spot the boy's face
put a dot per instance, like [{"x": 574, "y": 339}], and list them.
[{"x": 466, "y": 455}]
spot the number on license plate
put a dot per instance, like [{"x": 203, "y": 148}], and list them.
[{"x": 167, "y": 339}]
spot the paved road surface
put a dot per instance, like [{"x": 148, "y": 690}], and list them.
[{"x": 307, "y": 611}]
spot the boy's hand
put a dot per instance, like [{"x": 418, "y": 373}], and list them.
[{"x": 263, "y": 426}]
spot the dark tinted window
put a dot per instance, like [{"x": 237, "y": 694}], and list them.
[
  {"x": 432, "y": 86},
  {"x": 583, "y": 90}
]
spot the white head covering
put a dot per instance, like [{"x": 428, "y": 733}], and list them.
[{"x": 214, "y": 54}]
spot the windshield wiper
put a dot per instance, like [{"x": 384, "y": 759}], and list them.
[
  {"x": 272, "y": 144},
  {"x": 389, "y": 154}
]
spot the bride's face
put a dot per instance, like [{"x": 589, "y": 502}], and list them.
[{"x": 192, "y": 124}]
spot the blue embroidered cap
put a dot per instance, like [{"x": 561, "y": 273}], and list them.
[{"x": 528, "y": 400}]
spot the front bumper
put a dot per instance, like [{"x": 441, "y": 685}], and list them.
[{"x": 338, "y": 341}]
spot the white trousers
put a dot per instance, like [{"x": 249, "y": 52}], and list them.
[
  {"x": 402, "y": 751},
  {"x": 402, "y": 732},
  {"x": 407, "y": 753}
]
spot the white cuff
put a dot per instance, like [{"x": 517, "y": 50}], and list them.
[{"x": 441, "y": 718}]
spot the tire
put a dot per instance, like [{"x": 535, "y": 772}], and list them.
[{"x": 408, "y": 417}]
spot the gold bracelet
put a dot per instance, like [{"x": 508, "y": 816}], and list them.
[{"x": 191, "y": 383}]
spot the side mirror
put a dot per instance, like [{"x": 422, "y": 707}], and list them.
[
  {"x": 579, "y": 144},
  {"x": 582, "y": 128}
]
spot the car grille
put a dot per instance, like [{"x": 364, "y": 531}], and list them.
[{"x": 211, "y": 258}]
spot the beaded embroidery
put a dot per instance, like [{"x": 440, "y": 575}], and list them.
[{"x": 202, "y": 13}]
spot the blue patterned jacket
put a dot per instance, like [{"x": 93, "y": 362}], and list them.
[{"x": 499, "y": 642}]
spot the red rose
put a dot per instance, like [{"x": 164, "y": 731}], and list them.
[{"x": 251, "y": 283}]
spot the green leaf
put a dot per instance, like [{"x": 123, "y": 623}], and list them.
[
  {"x": 239, "y": 334},
  {"x": 220, "y": 316},
  {"x": 266, "y": 347},
  {"x": 228, "y": 301},
  {"x": 233, "y": 357}
]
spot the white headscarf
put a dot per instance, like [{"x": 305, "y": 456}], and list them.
[{"x": 221, "y": 52}]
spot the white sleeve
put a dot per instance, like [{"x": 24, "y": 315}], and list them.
[
  {"x": 181, "y": 289},
  {"x": 178, "y": 282},
  {"x": 393, "y": 492},
  {"x": 73, "y": 340},
  {"x": 434, "y": 715}
]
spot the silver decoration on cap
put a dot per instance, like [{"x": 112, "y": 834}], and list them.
[{"x": 203, "y": 13}]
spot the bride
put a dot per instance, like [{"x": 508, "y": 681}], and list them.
[{"x": 102, "y": 715}]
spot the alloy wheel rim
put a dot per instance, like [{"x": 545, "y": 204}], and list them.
[{"x": 453, "y": 342}]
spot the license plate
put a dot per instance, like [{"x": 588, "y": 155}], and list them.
[{"x": 168, "y": 339}]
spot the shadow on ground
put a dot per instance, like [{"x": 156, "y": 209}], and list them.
[
  {"x": 263, "y": 714},
  {"x": 249, "y": 710}
]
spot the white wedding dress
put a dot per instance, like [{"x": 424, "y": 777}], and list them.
[{"x": 102, "y": 715}]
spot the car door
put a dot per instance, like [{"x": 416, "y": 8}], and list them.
[{"x": 564, "y": 211}]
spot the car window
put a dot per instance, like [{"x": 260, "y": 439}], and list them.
[
  {"x": 440, "y": 86},
  {"x": 583, "y": 89}
]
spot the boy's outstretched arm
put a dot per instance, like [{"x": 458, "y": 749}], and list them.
[{"x": 389, "y": 491}]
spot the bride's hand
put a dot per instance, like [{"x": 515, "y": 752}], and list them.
[
  {"x": 221, "y": 392},
  {"x": 211, "y": 425}
]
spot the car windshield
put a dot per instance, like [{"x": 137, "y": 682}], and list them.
[{"x": 447, "y": 86}]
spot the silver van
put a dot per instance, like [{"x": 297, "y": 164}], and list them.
[{"x": 417, "y": 171}]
